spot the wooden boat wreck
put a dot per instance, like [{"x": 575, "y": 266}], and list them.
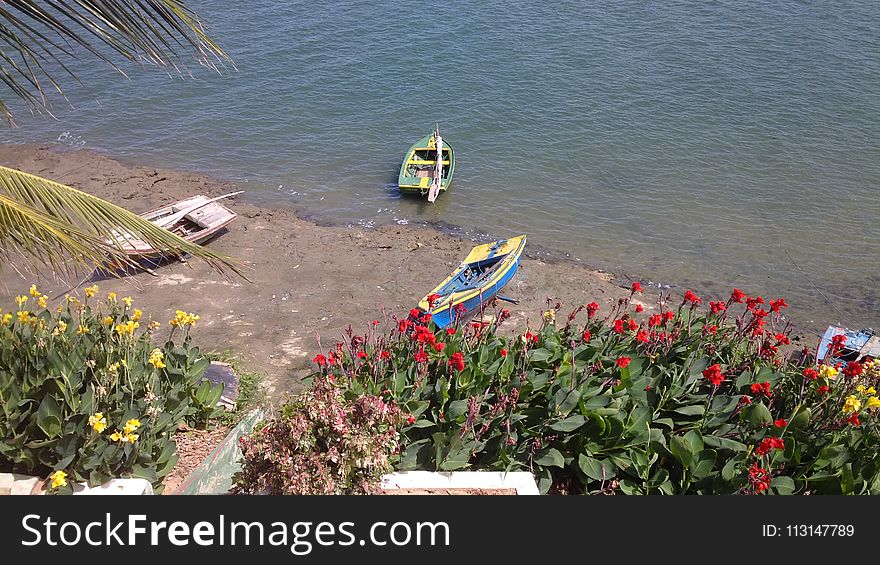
[
  {"x": 195, "y": 219},
  {"x": 427, "y": 166},
  {"x": 475, "y": 281}
]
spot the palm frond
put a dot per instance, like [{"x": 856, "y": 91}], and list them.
[
  {"x": 48, "y": 223},
  {"x": 36, "y": 35}
]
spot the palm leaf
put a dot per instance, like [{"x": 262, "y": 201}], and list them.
[
  {"x": 36, "y": 37},
  {"x": 45, "y": 223}
]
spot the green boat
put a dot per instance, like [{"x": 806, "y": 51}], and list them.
[{"x": 425, "y": 169}]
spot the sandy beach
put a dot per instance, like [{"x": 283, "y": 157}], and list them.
[{"x": 308, "y": 282}]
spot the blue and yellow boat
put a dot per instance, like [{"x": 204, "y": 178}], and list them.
[
  {"x": 475, "y": 281},
  {"x": 425, "y": 169}
]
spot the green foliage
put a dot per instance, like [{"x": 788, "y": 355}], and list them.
[
  {"x": 678, "y": 402},
  {"x": 83, "y": 390}
]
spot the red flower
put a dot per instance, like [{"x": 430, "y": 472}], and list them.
[
  {"x": 504, "y": 353},
  {"x": 632, "y": 325},
  {"x": 642, "y": 336},
  {"x": 618, "y": 326},
  {"x": 333, "y": 358},
  {"x": 838, "y": 341},
  {"x": 385, "y": 355},
  {"x": 753, "y": 301},
  {"x": 775, "y": 305},
  {"x": 592, "y": 308},
  {"x": 414, "y": 313},
  {"x": 362, "y": 354},
  {"x": 457, "y": 361},
  {"x": 744, "y": 399},
  {"x": 432, "y": 298},
  {"x": 782, "y": 339},
  {"x": 823, "y": 389},
  {"x": 320, "y": 360},
  {"x": 425, "y": 318},
  {"x": 450, "y": 331},
  {"x": 769, "y": 443},
  {"x": 713, "y": 329},
  {"x": 759, "y": 477},
  {"x": 587, "y": 335},
  {"x": 421, "y": 356},
  {"x": 811, "y": 373},
  {"x": 530, "y": 337},
  {"x": 410, "y": 419},
  {"x": 853, "y": 419},
  {"x": 780, "y": 423},
  {"x": 439, "y": 346},
  {"x": 636, "y": 287},
  {"x": 669, "y": 315},
  {"x": 655, "y": 320},
  {"x": 717, "y": 307},
  {"x": 737, "y": 295},
  {"x": 689, "y": 296},
  {"x": 460, "y": 308},
  {"x": 403, "y": 326},
  {"x": 714, "y": 374},
  {"x": 639, "y": 308},
  {"x": 852, "y": 369},
  {"x": 761, "y": 388},
  {"x": 622, "y": 361},
  {"x": 760, "y": 313}
]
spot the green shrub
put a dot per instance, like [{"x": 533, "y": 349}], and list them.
[
  {"x": 678, "y": 401},
  {"x": 84, "y": 392},
  {"x": 321, "y": 444}
]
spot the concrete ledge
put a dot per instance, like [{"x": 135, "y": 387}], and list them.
[
  {"x": 15, "y": 484},
  {"x": 522, "y": 481}
]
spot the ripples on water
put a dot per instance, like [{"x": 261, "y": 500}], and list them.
[{"x": 707, "y": 145}]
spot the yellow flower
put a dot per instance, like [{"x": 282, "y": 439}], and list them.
[
  {"x": 860, "y": 388},
  {"x": 82, "y": 330},
  {"x": 873, "y": 402},
  {"x": 43, "y": 301},
  {"x": 127, "y": 301},
  {"x": 828, "y": 372},
  {"x": 108, "y": 321},
  {"x": 72, "y": 299},
  {"x": 113, "y": 367},
  {"x": 6, "y": 319},
  {"x": 91, "y": 291},
  {"x": 21, "y": 299},
  {"x": 61, "y": 328},
  {"x": 111, "y": 296},
  {"x": 131, "y": 438},
  {"x": 852, "y": 404},
  {"x": 156, "y": 357},
  {"x": 154, "y": 325},
  {"x": 59, "y": 479},
  {"x": 34, "y": 292},
  {"x": 136, "y": 315},
  {"x": 127, "y": 328},
  {"x": 550, "y": 316},
  {"x": 131, "y": 426},
  {"x": 871, "y": 390},
  {"x": 116, "y": 436},
  {"x": 181, "y": 319},
  {"x": 24, "y": 317},
  {"x": 98, "y": 422}
]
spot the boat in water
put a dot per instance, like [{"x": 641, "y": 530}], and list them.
[
  {"x": 475, "y": 281},
  {"x": 427, "y": 166}
]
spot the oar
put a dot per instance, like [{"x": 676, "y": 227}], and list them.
[
  {"x": 504, "y": 298},
  {"x": 173, "y": 218}
]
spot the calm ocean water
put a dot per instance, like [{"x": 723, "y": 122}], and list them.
[{"x": 704, "y": 144}]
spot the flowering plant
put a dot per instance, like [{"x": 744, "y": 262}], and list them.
[
  {"x": 321, "y": 443},
  {"x": 670, "y": 399},
  {"x": 86, "y": 397}
]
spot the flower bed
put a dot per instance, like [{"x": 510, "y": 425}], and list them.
[{"x": 679, "y": 399}]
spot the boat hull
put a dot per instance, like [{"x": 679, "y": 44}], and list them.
[
  {"x": 471, "y": 299},
  {"x": 417, "y": 167}
]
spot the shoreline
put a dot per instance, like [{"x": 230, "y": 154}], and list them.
[{"x": 310, "y": 280}]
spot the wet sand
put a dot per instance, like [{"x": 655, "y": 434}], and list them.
[{"x": 308, "y": 281}]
